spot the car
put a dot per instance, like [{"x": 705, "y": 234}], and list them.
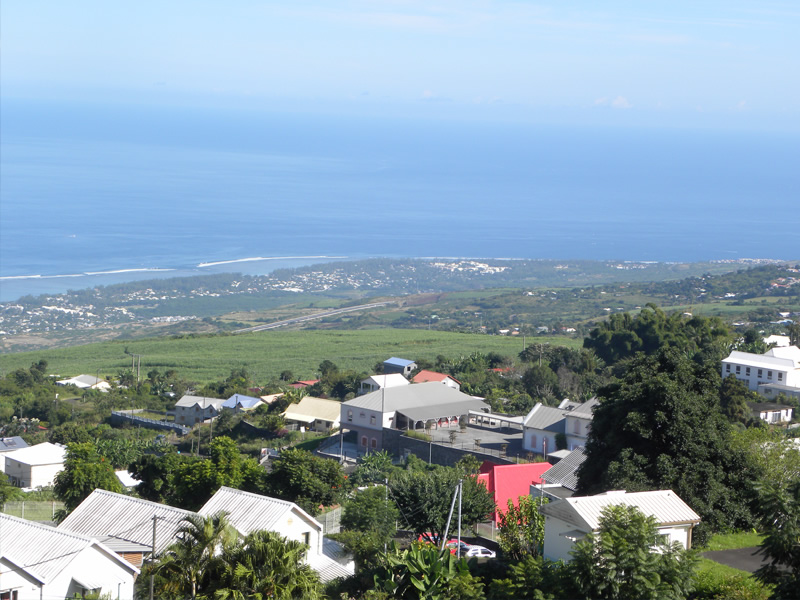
[
  {"x": 453, "y": 546},
  {"x": 480, "y": 552}
]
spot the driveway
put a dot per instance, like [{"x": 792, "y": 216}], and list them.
[{"x": 744, "y": 559}]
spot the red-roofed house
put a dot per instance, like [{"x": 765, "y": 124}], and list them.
[
  {"x": 427, "y": 376},
  {"x": 509, "y": 482},
  {"x": 299, "y": 385}
]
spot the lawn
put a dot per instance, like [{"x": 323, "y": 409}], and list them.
[
  {"x": 732, "y": 541},
  {"x": 265, "y": 354}
]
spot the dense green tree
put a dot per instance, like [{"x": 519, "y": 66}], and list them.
[
  {"x": 424, "y": 496},
  {"x": 733, "y": 398},
  {"x": 310, "y": 481},
  {"x": 521, "y": 528},
  {"x": 779, "y": 512},
  {"x": 374, "y": 467},
  {"x": 627, "y": 559},
  {"x": 371, "y": 509},
  {"x": 85, "y": 470},
  {"x": 661, "y": 427},
  {"x": 541, "y": 383}
]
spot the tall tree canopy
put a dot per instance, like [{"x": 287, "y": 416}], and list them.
[
  {"x": 85, "y": 470},
  {"x": 661, "y": 427}
]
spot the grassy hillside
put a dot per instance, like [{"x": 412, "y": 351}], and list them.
[{"x": 266, "y": 354}]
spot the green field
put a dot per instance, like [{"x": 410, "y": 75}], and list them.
[{"x": 266, "y": 354}]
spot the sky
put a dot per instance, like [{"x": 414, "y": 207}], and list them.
[{"x": 733, "y": 63}]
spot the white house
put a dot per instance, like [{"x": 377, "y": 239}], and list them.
[
  {"x": 10, "y": 444},
  {"x": 777, "y": 340},
  {"x": 191, "y": 410},
  {"x": 770, "y": 412},
  {"x": 569, "y": 520},
  {"x": 86, "y": 382},
  {"x": 38, "y": 561},
  {"x": 425, "y": 376},
  {"x": 405, "y": 407},
  {"x": 399, "y": 365},
  {"x": 249, "y": 512},
  {"x": 378, "y": 382},
  {"x": 780, "y": 365},
  {"x": 543, "y": 423},
  {"x": 318, "y": 414},
  {"x": 35, "y": 466}
]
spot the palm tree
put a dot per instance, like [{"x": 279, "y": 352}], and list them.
[
  {"x": 266, "y": 565},
  {"x": 184, "y": 565}
]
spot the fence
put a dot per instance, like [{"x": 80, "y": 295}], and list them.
[
  {"x": 331, "y": 520},
  {"x": 118, "y": 417},
  {"x": 32, "y": 510}
]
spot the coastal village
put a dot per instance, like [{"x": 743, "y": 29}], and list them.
[{"x": 402, "y": 414}]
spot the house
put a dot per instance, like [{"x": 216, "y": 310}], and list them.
[
  {"x": 10, "y": 444},
  {"x": 406, "y": 407},
  {"x": 770, "y": 412},
  {"x": 509, "y": 482},
  {"x": 569, "y": 520},
  {"x": 378, "y": 382},
  {"x": 86, "y": 382},
  {"x": 125, "y": 524},
  {"x": 318, "y": 414},
  {"x": 299, "y": 385},
  {"x": 35, "y": 466},
  {"x": 425, "y": 376},
  {"x": 543, "y": 423},
  {"x": 38, "y": 561},
  {"x": 578, "y": 422},
  {"x": 778, "y": 366},
  {"x": 561, "y": 480},
  {"x": 249, "y": 512},
  {"x": 191, "y": 410},
  {"x": 399, "y": 365},
  {"x": 241, "y": 403},
  {"x": 777, "y": 340}
]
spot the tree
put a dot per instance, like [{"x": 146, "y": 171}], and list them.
[
  {"x": 286, "y": 375},
  {"x": 8, "y": 492},
  {"x": 308, "y": 480},
  {"x": 540, "y": 382},
  {"x": 374, "y": 467},
  {"x": 265, "y": 565},
  {"x": 521, "y": 531},
  {"x": 369, "y": 510},
  {"x": 628, "y": 559},
  {"x": 84, "y": 471},
  {"x": 661, "y": 428},
  {"x": 733, "y": 398},
  {"x": 779, "y": 512},
  {"x": 427, "y": 494}
]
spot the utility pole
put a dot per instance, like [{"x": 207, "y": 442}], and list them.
[
  {"x": 450, "y": 516},
  {"x": 153, "y": 556},
  {"x": 460, "y": 495},
  {"x": 385, "y": 503}
]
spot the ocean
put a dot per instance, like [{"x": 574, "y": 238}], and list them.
[{"x": 98, "y": 195}]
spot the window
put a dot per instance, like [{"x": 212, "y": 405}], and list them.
[
  {"x": 372, "y": 419},
  {"x": 747, "y": 371},
  {"x": 361, "y": 415},
  {"x": 780, "y": 376},
  {"x": 350, "y": 416},
  {"x": 374, "y": 443},
  {"x": 738, "y": 369},
  {"x": 364, "y": 441},
  {"x": 761, "y": 372},
  {"x": 576, "y": 428},
  {"x": 307, "y": 538},
  {"x": 769, "y": 374},
  {"x": 12, "y": 595},
  {"x": 533, "y": 441},
  {"x": 727, "y": 368}
]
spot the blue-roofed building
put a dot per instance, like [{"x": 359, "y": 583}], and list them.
[
  {"x": 399, "y": 365},
  {"x": 240, "y": 402}
]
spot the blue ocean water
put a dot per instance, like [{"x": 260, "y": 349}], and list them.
[{"x": 112, "y": 194}]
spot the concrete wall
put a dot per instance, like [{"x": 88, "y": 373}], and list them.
[{"x": 399, "y": 446}]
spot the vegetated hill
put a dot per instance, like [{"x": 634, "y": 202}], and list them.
[{"x": 266, "y": 354}]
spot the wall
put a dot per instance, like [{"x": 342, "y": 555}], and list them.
[
  {"x": 118, "y": 418},
  {"x": 399, "y": 445}
]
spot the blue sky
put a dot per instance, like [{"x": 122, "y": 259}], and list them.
[{"x": 730, "y": 62}]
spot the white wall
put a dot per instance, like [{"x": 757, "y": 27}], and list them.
[
  {"x": 752, "y": 376},
  {"x": 25, "y": 475},
  {"x": 293, "y": 525},
  {"x": 533, "y": 441}
]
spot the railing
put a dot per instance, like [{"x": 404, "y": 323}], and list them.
[
  {"x": 32, "y": 510},
  {"x": 331, "y": 520}
]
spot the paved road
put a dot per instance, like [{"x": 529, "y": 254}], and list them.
[
  {"x": 321, "y": 315},
  {"x": 744, "y": 559}
]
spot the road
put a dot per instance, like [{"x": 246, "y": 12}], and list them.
[{"x": 321, "y": 315}]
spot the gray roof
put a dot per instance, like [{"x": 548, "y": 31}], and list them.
[
  {"x": 188, "y": 401},
  {"x": 437, "y": 411},
  {"x": 43, "y": 551},
  {"x": 584, "y": 512},
  {"x": 419, "y": 395},
  {"x": 252, "y": 512},
  {"x": 9, "y": 444},
  {"x": 546, "y": 418},
  {"x": 585, "y": 410},
  {"x": 563, "y": 472},
  {"x": 126, "y": 518}
]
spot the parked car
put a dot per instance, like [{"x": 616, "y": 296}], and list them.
[
  {"x": 453, "y": 545},
  {"x": 480, "y": 552}
]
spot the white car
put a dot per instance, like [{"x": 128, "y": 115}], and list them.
[{"x": 481, "y": 552}]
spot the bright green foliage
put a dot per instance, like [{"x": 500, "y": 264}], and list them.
[
  {"x": 85, "y": 470},
  {"x": 265, "y": 566},
  {"x": 374, "y": 467},
  {"x": 308, "y": 480},
  {"x": 780, "y": 515},
  {"x": 533, "y": 578},
  {"x": 521, "y": 530},
  {"x": 626, "y": 559},
  {"x": 423, "y": 571},
  {"x": 427, "y": 494},
  {"x": 661, "y": 428},
  {"x": 371, "y": 510}
]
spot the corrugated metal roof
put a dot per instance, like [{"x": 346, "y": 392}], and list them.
[
  {"x": 564, "y": 471},
  {"x": 242, "y": 400},
  {"x": 545, "y": 418},
  {"x": 105, "y": 513},
  {"x": 188, "y": 401},
  {"x": 40, "y": 454},
  {"x": 437, "y": 411},
  {"x": 758, "y": 360},
  {"x": 400, "y": 362},
  {"x": 327, "y": 568},
  {"x": 44, "y": 551},
  {"x": 387, "y": 381},
  {"x": 310, "y": 408},
  {"x": 409, "y": 396},
  {"x": 252, "y": 512},
  {"x": 10, "y": 444},
  {"x": 585, "y": 410},
  {"x": 584, "y": 511}
]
